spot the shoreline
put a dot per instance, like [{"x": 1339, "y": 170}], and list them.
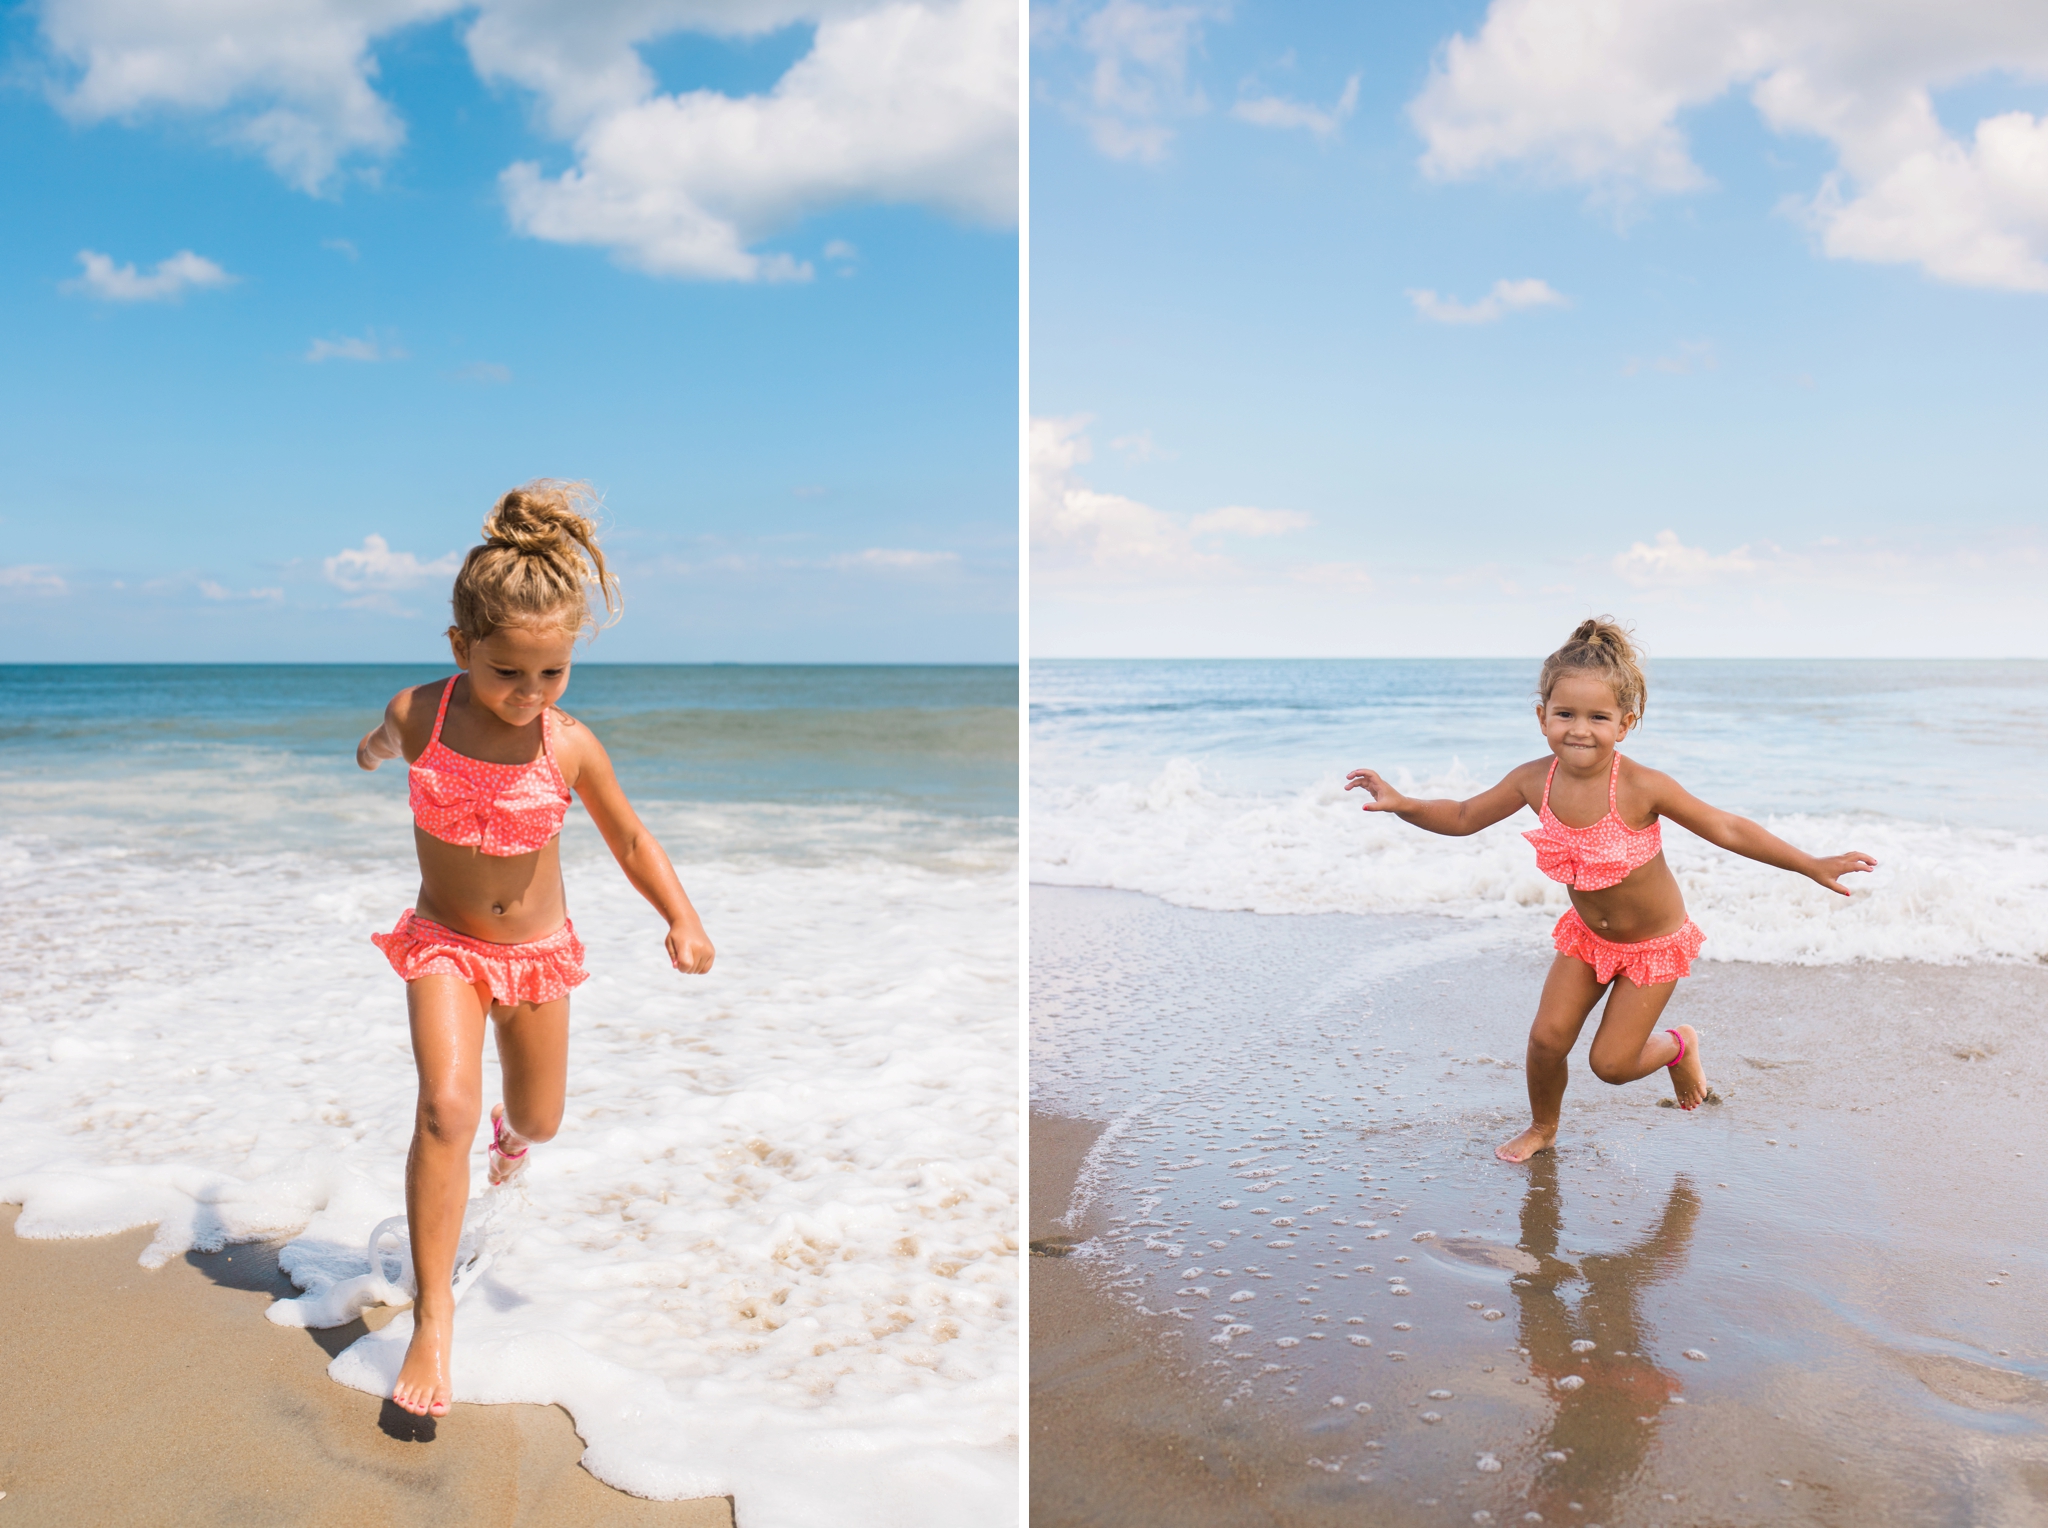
[
  {"x": 1812, "y": 1299},
  {"x": 163, "y": 1396}
]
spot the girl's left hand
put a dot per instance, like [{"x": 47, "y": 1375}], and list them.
[
  {"x": 1829, "y": 871},
  {"x": 689, "y": 948}
]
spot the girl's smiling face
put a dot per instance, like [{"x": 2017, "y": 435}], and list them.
[
  {"x": 517, "y": 672},
  {"x": 1582, "y": 721}
]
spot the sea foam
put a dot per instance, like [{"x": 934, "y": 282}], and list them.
[
  {"x": 1941, "y": 894},
  {"x": 772, "y": 1251}
]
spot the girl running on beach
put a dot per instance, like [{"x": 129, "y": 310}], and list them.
[
  {"x": 1626, "y": 932},
  {"x": 492, "y": 765}
]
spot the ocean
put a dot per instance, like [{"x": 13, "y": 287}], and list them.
[
  {"x": 1294, "y": 1033},
  {"x": 1220, "y": 785},
  {"x": 772, "y": 1252}
]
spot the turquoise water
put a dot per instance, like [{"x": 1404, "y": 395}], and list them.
[{"x": 931, "y": 740}]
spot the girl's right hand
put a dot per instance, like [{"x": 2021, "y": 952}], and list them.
[
  {"x": 1829, "y": 871},
  {"x": 1384, "y": 797}
]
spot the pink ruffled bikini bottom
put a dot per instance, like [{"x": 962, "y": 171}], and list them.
[
  {"x": 538, "y": 971},
  {"x": 1647, "y": 962}
]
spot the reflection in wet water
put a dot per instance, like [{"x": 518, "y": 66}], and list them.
[{"x": 1592, "y": 1353}]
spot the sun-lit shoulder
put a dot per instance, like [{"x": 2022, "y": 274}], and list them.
[
  {"x": 1528, "y": 778},
  {"x": 411, "y": 711},
  {"x": 1643, "y": 791},
  {"x": 576, "y": 746}
]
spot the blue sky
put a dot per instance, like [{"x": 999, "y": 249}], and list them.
[
  {"x": 1765, "y": 377},
  {"x": 794, "y": 380}
]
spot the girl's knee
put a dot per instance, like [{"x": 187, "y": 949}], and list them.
[
  {"x": 1609, "y": 1071},
  {"x": 449, "y": 1115},
  {"x": 539, "y": 1129}
]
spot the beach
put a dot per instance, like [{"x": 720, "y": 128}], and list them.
[
  {"x": 162, "y": 1396},
  {"x": 1293, "y": 1232},
  {"x": 1291, "y": 1036},
  {"x": 771, "y": 1255}
]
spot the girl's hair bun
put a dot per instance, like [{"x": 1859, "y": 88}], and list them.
[
  {"x": 537, "y": 564},
  {"x": 1603, "y": 649},
  {"x": 541, "y": 517}
]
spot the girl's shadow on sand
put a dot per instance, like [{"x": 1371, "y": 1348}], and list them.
[{"x": 253, "y": 1266}]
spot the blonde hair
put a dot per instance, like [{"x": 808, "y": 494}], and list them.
[
  {"x": 1601, "y": 650},
  {"x": 536, "y": 566}
]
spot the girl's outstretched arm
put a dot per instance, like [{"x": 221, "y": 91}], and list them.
[
  {"x": 1455, "y": 819},
  {"x": 646, "y": 866},
  {"x": 1738, "y": 835},
  {"x": 385, "y": 740}
]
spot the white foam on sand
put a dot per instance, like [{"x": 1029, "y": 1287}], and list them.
[
  {"x": 772, "y": 1252},
  {"x": 1942, "y": 894}
]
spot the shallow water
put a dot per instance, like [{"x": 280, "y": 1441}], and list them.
[
  {"x": 1297, "y": 1182},
  {"x": 772, "y": 1252}
]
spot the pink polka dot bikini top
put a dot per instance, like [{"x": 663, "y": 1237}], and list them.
[
  {"x": 502, "y": 809},
  {"x": 1595, "y": 858}
]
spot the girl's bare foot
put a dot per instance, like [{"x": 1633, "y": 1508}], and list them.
[
  {"x": 1527, "y": 1144},
  {"x": 423, "y": 1387},
  {"x": 1688, "y": 1077},
  {"x": 507, "y": 1151}
]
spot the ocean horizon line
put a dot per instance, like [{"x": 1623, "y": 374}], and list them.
[
  {"x": 1536, "y": 657},
  {"x": 198, "y": 663}
]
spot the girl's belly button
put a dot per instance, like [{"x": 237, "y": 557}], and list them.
[{"x": 499, "y": 908}]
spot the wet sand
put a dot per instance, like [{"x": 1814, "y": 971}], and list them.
[
  {"x": 1300, "y": 1112},
  {"x": 1119, "y": 1432},
  {"x": 163, "y": 1397}
]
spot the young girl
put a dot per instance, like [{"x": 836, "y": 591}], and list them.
[
  {"x": 492, "y": 765},
  {"x": 1626, "y": 932}
]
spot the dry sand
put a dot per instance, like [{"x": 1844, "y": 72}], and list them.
[
  {"x": 162, "y": 1397},
  {"x": 1856, "y": 1241}
]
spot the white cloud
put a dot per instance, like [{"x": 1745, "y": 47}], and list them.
[
  {"x": 1137, "y": 71},
  {"x": 1974, "y": 216},
  {"x": 485, "y": 371},
  {"x": 1506, "y": 297},
  {"x": 33, "y": 578},
  {"x": 1079, "y": 532},
  {"x": 1277, "y": 111},
  {"x": 170, "y": 280},
  {"x": 374, "y": 566},
  {"x": 897, "y": 101},
  {"x": 839, "y": 249},
  {"x": 214, "y": 591},
  {"x": 348, "y": 348},
  {"x": 1591, "y": 91},
  {"x": 1239, "y": 520},
  {"x": 1074, "y": 528},
  {"x": 1668, "y": 561},
  {"x": 893, "y": 560},
  {"x": 290, "y": 80}
]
